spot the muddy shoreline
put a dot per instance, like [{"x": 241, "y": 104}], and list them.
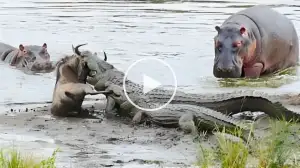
[{"x": 102, "y": 142}]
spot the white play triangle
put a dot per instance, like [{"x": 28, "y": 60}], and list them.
[{"x": 149, "y": 84}]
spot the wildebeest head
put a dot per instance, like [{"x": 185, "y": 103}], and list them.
[
  {"x": 232, "y": 45},
  {"x": 77, "y": 64},
  {"x": 96, "y": 65},
  {"x": 82, "y": 68}
]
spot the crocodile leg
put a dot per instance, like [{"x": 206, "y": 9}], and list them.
[
  {"x": 126, "y": 106},
  {"x": 187, "y": 124},
  {"x": 138, "y": 117},
  {"x": 110, "y": 105},
  {"x": 100, "y": 86},
  {"x": 201, "y": 123}
]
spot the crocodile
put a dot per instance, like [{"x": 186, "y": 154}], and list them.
[
  {"x": 226, "y": 103},
  {"x": 189, "y": 118}
]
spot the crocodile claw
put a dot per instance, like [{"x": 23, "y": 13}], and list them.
[{"x": 137, "y": 118}]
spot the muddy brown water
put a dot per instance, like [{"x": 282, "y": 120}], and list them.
[{"x": 180, "y": 33}]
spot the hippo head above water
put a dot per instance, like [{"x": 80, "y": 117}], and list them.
[
  {"x": 233, "y": 46},
  {"x": 32, "y": 53},
  {"x": 29, "y": 53},
  {"x": 35, "y": 51}
]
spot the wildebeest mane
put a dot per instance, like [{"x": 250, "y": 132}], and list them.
[{"x": 61, "y": 62}]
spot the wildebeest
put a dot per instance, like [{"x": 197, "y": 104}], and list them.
[{"x": 70, "y": 87}]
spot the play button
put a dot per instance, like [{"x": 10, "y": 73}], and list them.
[
  {"x": 149, "y": 84},
  {"x": 151, "y": 75}
]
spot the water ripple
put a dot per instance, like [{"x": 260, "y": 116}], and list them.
[{"x": 180, "y": 32}]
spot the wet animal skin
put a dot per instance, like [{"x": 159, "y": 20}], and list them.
[
  {"x": 70, "y": 87},
  {"x": 248, "y": 44}
]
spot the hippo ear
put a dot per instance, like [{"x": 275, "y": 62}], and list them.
[
  {"x": 45, "y": 45},
  {"x": 218, "y": 29},
  {"x": 21, "y": 47},
  {"x": 242, "y": 30}
]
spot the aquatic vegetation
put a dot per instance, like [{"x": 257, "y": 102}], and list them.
[
  {"x": 275, "y": 80},
  {"x": 11, "y": 158},
  {"x": 276, "y": 150}
]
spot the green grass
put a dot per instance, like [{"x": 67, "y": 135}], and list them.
[
  {"x": 232, "y": 154},
  {"x": 275, "y": 150},
  {"x": 11, "y": 158},
  {"x": 275, "y": 80}
]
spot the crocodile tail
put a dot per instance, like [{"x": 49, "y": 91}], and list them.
[
  {"x": 227, "y": 136},
  {"x": 254, "y": 104},
  {"x": 284, "y": 113},
  {"x": 273, "y": 109}
]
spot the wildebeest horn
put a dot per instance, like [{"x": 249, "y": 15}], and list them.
[
  {"x": 75, "y": 50},
  {"x": 105, "y": 57}
]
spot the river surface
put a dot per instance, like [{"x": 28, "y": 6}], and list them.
[{"x": 180, "y": 33}]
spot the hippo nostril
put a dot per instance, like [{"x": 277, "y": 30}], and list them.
[
  {"x": 227, "y": 70},
  {"x": 230, "y": 69},
  {"x": 219, "y": 69}
]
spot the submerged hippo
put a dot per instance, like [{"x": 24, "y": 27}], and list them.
[
  {"x": 32, "y": 57},
  {"x": 254, "y": 42}
]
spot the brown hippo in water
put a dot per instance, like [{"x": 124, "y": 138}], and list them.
[
  {"x": 31, "y": 58},
  {"x": 253, "y": 42}
]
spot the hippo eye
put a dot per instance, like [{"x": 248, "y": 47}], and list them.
[
  {"x": 219, "y": 47},
  {"x": 237, "y": 44}
]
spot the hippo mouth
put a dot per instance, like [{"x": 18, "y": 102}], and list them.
[
  {"x": 233, "y": 72},
  {"x": 228, "y": 68}
]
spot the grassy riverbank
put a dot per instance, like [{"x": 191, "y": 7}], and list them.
[
  {"x": 275, "y": 80},
  {"x": 280, "y": 148},
  {"x": 12, "y": 158}
]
